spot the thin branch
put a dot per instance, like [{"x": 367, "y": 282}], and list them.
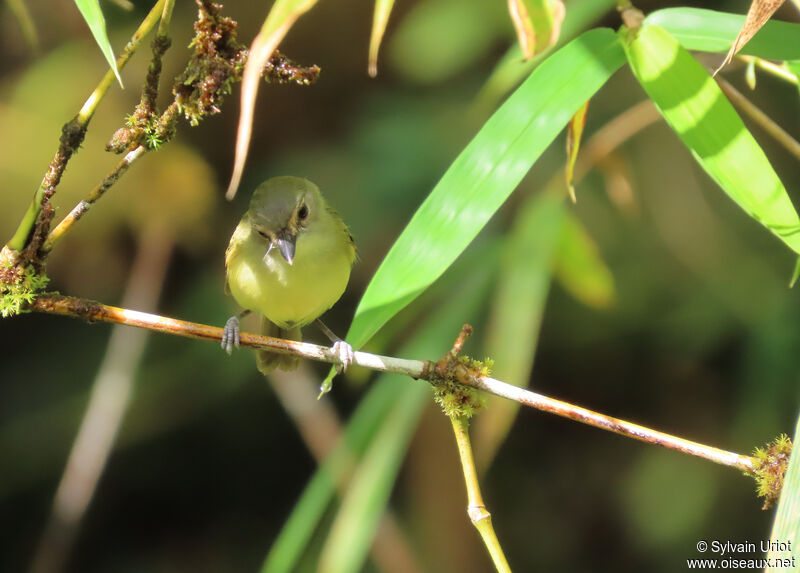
[
  {"x": 83, "y": 207},
  {"x": 95, "y": 311},
  {"x": 36, "y": 220},
  {"x": 753, "y": 112},
  {"x": 476, "y": 509}
]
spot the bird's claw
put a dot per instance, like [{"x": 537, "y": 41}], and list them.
[
  {"x": 344, "y": 354},
  {"x": 230, "y": 334}
]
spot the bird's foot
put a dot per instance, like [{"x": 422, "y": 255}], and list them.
[
  {"x": 230, "y": 334},
  {"x": 344, "y": 354}
]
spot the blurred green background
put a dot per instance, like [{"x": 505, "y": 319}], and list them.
[{"x": 701, "y": 339}]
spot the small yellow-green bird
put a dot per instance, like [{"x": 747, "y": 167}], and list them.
[{"x": 289, "y": 259}]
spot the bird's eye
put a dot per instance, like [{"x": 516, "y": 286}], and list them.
[
  {"x": 262, "y": 233},
  {"x": 302, "y": 213}
]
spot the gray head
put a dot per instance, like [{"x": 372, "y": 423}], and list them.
[{"x": 281, "y": 208}]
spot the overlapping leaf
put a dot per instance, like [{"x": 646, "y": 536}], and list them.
[
  {"x": 694, "y": 106},
  {"x": 710, "y": 31}
]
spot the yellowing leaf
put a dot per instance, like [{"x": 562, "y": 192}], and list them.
[
  {"x": 759, "y": 13},
  {"x": 281, "y": 18},
  {"x": 538, "y": 23},
  {"x": 574, "y": 133},
  {"x": 383, "y": 8}
]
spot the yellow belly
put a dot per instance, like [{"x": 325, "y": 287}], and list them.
[{"x": 289, "y": 295}]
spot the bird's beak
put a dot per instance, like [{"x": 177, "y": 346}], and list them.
[{"x": 286, "y": 243}]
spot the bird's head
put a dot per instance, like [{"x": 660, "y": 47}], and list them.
[{"x": 282, "y": 208}]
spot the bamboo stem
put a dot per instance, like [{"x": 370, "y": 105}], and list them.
[{"x": 476, "y": 508}]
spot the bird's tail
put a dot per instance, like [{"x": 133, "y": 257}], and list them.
[{"x": 268, "y": 361}]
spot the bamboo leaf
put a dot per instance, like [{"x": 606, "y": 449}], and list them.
[
  {"x": 710, "y": 31},
  {"x": 759, "y": 13},
  {"x": 93, "y": 15},
  {"x": 579, "y": 267},
  {"x": 786, "y": 526},
  {"x": 516, "y": 312},
  {"x": 574, "y": 133},
  {"x": 281, "y": 18},
  {"x": 383, "y": 8},
  {"x": 694, "y": 106},
  {"x": 538, "y": 24},
  {"x": 484, "y": 175}
]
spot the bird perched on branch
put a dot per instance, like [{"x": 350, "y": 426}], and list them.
[{"x": 289, "y": 260}]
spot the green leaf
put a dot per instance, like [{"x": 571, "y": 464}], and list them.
[
  {"x": 355, "y": 524},
  {"x": 374, "y": 412},
  {"x": 90, "y": 9},
  {"x": 579, "y": 267},
  {"x": 787, "y": 517},
  {"x": 484, "y": 175},
  {"x": 516, "y": 313},
  {"x": 695, "y": 107},
  {"x": 309, "y": 509},
  {"x": 710, "y": 31}
]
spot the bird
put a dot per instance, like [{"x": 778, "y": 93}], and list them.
[{"x": 289, "y": 259}]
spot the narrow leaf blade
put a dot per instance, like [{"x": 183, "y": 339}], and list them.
[
  {"x": 694, "y": 106},
  {"x": 517, "y": 311},
  {"x": 93, "y": 15},
  {"x": 380, "y": 19},
  {"x": 281, "y": 18},
  {"x": 574, "y": 134},
  {"x": 787, "y": 517},
  {"x": 484, "y": 175},
  {"x": 579, "y": 267},
  {"x": 711, "y": 31}
]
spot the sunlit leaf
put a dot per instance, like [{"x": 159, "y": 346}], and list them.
[
  {"x": 281, "y": 18},
  {"x": 516, "y": 313},
  {"x": 759, "y": 13},
  {"x": 694, "y": 106},
  {"x": 574, "y": 133},
  {"x": 787, "y": 517},
  {"x": 484, "y": 175},
  {"x": 383, "y": 8},
  {"x": 90, "y": 9},
  {"x": 579, "y": 267},
  {"x": 710, "y": 31}
]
